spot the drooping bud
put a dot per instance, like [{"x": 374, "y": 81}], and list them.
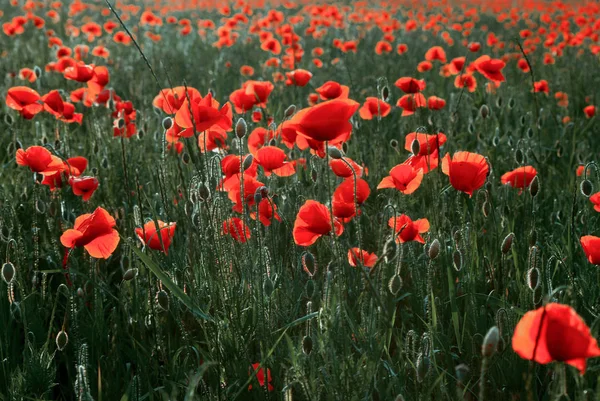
[
  {"x": 162, "y": 299},
  {"x": 37, "y": 71},
  {"x": 395, "y": 284},
  {"x": 394, "y": 143},
  {"x": 334, "y": 152},
  {"x": 309, "y": 265},
  {"x": 586, "y": 188},
  {"x": 457, "y": 260},
  {"x": 307, "y": 345},
  {"x": 130, "y": 274},
  {"x": 415, "y": 147},
  {"x": 167, "y": 123},
  {"x": 385, "y": 93},
  {"x": 533, "y": 278}
]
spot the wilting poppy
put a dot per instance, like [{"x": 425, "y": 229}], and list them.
[
  {"x": 260, "y": 376},
  {"x": 374, "y": 107},
  {"x": 24, "y": 100},
  {"x": 591, "y": 247},
  {"x": 333, "y": 90},
  {"x": 357, "y": 256},
  {"x": 149, "y": 236},
  {"x": 490, "y": 68},
  {"x": 467, "y": 171},
  {"x": 408, "y": 230},
  {"x": 428, "y": 143},
  {"x": 298, "y": 77},
  {"x": 313, "y": 221},
  {"x": 410, "y": 85},
  {"x": 83, "y": 186},
  {"x": 520, "y": 177},
  {"x": 38, "y": 159},
  {"x": 405, "y": 178},
  {"x": 325, "y": 121},
  {"x": 238, "y": 230},
  {"x": 555, "y": 332},
  {"x": 345, "y": 200},
  {"x": 94, "y": 232}
]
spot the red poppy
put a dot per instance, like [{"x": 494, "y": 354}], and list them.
[
  {"x": 374, "y": 107},
  {"x": 94, "y": 232},
  {"x": 151, "y": 238},
  {"x": 466, "y": 81},
  {"x": 456, "y": 65},
  {"x": 554, "y": 332},
  {"x": 410, "y": 103},
  {"x": 252, "y": 93},
  {"x": 345, "y": 167},
  {"x": 80, "y": 72},
  {"x": 24, "y": 100},
  {"x": 591, "y": 247},
  {"x": 205, "y": 113},
  {"x": 520, "y": 177},
  {"x": 407, "y": 229},
  {"x": 233, "y": 188},
  {"x": 426, "y": 163},
  {"x": 410, "y": 85},
  {"x": 427, "y": 143},
  {"x": 467, "y": 171},
  {"x": 436, "y": 53},
  {"x": 474, "y": 47},
  {"x": 345, "y": 200},
  {"x": 238, "y": 230},
  {"x": 69, "y": 115},
  {"x": 405, "y": 178},
  {"x": 490, "y": 68},
  {"x": 38, "y": 159},
  {"x": 383, "y": 47},
  {"x": 590, "y": 111},
  {"x": 272, "y": 160},
  {"x": 595, "y": 199},
  {"x": 27, "y": 74},
  {"x": 267, "y": 211},
  {"x": 312, "y": 222},
  {"x": 272, "y": 45},
  {"x": 83, "y": 186},
  {"x": 424, "y": 66},
  {"x": 53, "y": 103},
  {"x": 333, "y": 90},
  {"x": 326, "y": 121},
  {"x": 541, "y": 86},
  {"x": 260, "y": 376},
  {"x": 211, "y": 139},
  {"x": 522, "y": 64},
  {"x": 357, "y": 256},
  {"x": 298, "y": 77},
  {"x": 435, "y": 103}
]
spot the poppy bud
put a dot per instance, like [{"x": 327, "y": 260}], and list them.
[
  {"x": 422, "y": 367},
  {"x": 309, "y": 288},
  {"x": 167, "y": 123},
  {"x": 399, "y": 397},
  {"x": 532, "y": 238},
  {"x": 104, "y": 162},
  {"x": 44, "y": 140},
  {"x": 522, "y": 121},
  {"x": 40, "y": 206},
  {"x": 314, "y": 175},
  {"x": 434, "y": 249},
  {"x": 307, "y": 345},
  {"x": 273, "y": 142},
  {"x": 37, "y": 71},
  {"x": 496, "y": 140},
  {"x": 80, "y": 292},
  {"x": 241, "y": 128},
  {"x": 162, "y": 299},
  {"x": 529, "y": 133},
  {"x": 120, "y": 123},
  {"x": 471, "y": 128},
  {"x": 499, "y": 102},
  {"x": 62, "y": 339},
  {"x": 511, "y": 103},
  {"x": 540, "y": 122},
  {"x": 490, "y": 342},
  {"x": 507, "y": 243},
  {"x": 185, "y": 158},
  {"x": 519, "y": 156},
  {"x": 203, "y": 192},
  {"x": 334, "y": 152},
  {"x": 130, "y": 274},
  {"x": 395, "y": 284},
  {"x": 309, "y": 265},
  {"x": 533, "y": 279},
  {"x": 248, "y": 160},
  {"x": 290, "y": 111},
  {"x": 345, "y": 147},
  {"x": 534, "y": 187},
  {"x": 415, "y": 147},
  {"x": 457, "y": 260},
  {"x": 385, "y": 93},
  {"x": 8, "y": 272},
  {"x": 394, "y": 143},
  {"x": 257, "y": 197},
  {"x": 586, "y": 188},
  {"x": 484, "y": 111}
]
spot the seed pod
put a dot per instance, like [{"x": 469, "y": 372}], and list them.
[
  {"x": 8, "y": 272},
  {"x": 486, "y": 208},
  {"x": 167, "y": 123},
  {"x": 507, "y": 243},
  {"x": 534, "y": 187},
  {"x": 62, "y": 339},
  {"x": 415, "y": 147},
  {"x": 130, "y": 274},
  {"x": 162, "y": 299},
  {"x": 307, "y": 345},
  {"x": 484, "y": 111},
  {"x": 334, "y": 152},
  {"x": 490, "y": 342},
  {"x": 395, "y": 284},
  {"x": 309, "y": 264},
  {"x": 533, "y": 278},
  {"x": 586, "y": 188},
  {"x": 290, "y": 111},
  {"x": 394, "y": 143},
  {"x": 241, "y": 128},
  {"x": 434, "y": 249},
  {"x": 457, "y": 260},
  {"x": 248, "y": 160}
]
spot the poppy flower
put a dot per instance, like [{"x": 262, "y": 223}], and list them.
[
  {"x": 522, "y": 64},
  {"x": 595, "y": 199},
  {"x": 345, "y": 200},
  {"x": 520, "y": 177},
  {"x": 260, "y": 376},
  {"x": 333, "y": 90},
  {"x": 298, "y": 77},
  {"x": 562, "y": 99},
  {"x": 38, "y": 159},
  {"x": 474, "y": 47},
  {"x": 410, "y": 85},
  {"x": 407, "y": 229},
  {"x": 53, "y": 103},
  {"x": 83, "y": 186},
  {"x": 357, "y": 256},
  {"x": 382, "y": 47},
  {"x": 436, "y": 53},
  {"x": 272, "y": 45},
  {"x": 401, "y": 48},
  {"x": 490, "y": 68},
  {"x": 591, "y": 247},
  {"x": 24, "y": 100},
  {"x": 456, "y": 65},
  {"x": 272, "y": 160},
  {"x": 149, "y": 236},
  {"x": 95, "y": 232},
  {"x": 80, "y": 72},
  {"x": 211, "y": 139},
  {"x": 405, "y": 178},
  {"x": 467, "y": 171},
  {"x": 541, "y": 86},
  {"x": 435, "y": 103},
  {"x": 590, "y": 111},
  {"x": 69, "y": 115},
  {"x": 27, "y": 74},
  {"x": 267, "y": 211},
  {"x": 424, "y": 66},
  {"x": 410, "y": 103},
  {"x": 237, "y": 229},
  {"x": 326, "y": 121},
  {"x": 427, "y": 143},
  {"x": 205, "y": 113},
  {"x": 313, "y": 221},
  {"x": 374, "y": 107},
  {"x": 466, "y": 81},
  {"x": 554, "y": 332},
  {"x": 345, "y": 167},
  {"x": 233, "y": 188},
  {"x": 252, "y": 93},
  {"x": 425, "y": 163}
]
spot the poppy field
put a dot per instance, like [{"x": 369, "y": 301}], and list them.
[{"x": 289, "y": 200}]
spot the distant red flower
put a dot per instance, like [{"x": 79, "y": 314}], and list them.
[
  {"x": 24, "y": 100},
  {"x": 474, "y": 47},
  {"x": 205, "y": 114},
  {"x": 405, "y": 178},
  {"x": 298, "y": 77},
  {"x": 333, "y": 90},
  {"x": 595, "y": 199},
  {"x": 382, "y": 47},
  {"x": 456, "y": 65},
  {"x": 490, "y": 68},
  {"x": 237, "y": 229},
  {"x": 435, "y": 103},
  {"x": 554, "y": 332},
  {"x": 424, "y": 66},
  {"x": 590, "y": 111},
  {"x": 80, "y": 72},
  {"x": 466, "y": 81},
  {"x": 149, "y": 236},
  {"x": 374, "y": 107},
  {"x": 522, "y": 64},
  {"x": 436, "y": 53},
  {"x": 326, "y": 121},
  {"x": 428, "y": 143},
  {"x": 313, "y": 221},
  {"x": 94, "y": 232},
  {"x": 357, "y": 256},
  {"x": 252, "y": 93},
  {"x": 410, "y": 103},
  {"x": 260, "y": 376},
  {"x": 407, "y": 229},
  {"x": 83, "y": 186},
  {"x": 27, "y": 74},
  {"x": 410, "y": 85},
  {"x": 591, "y": 247},
  {"x": 520, "y": 177},
  {"x": 541, "y": 86},
  {"x": 467, "y": 171}
]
